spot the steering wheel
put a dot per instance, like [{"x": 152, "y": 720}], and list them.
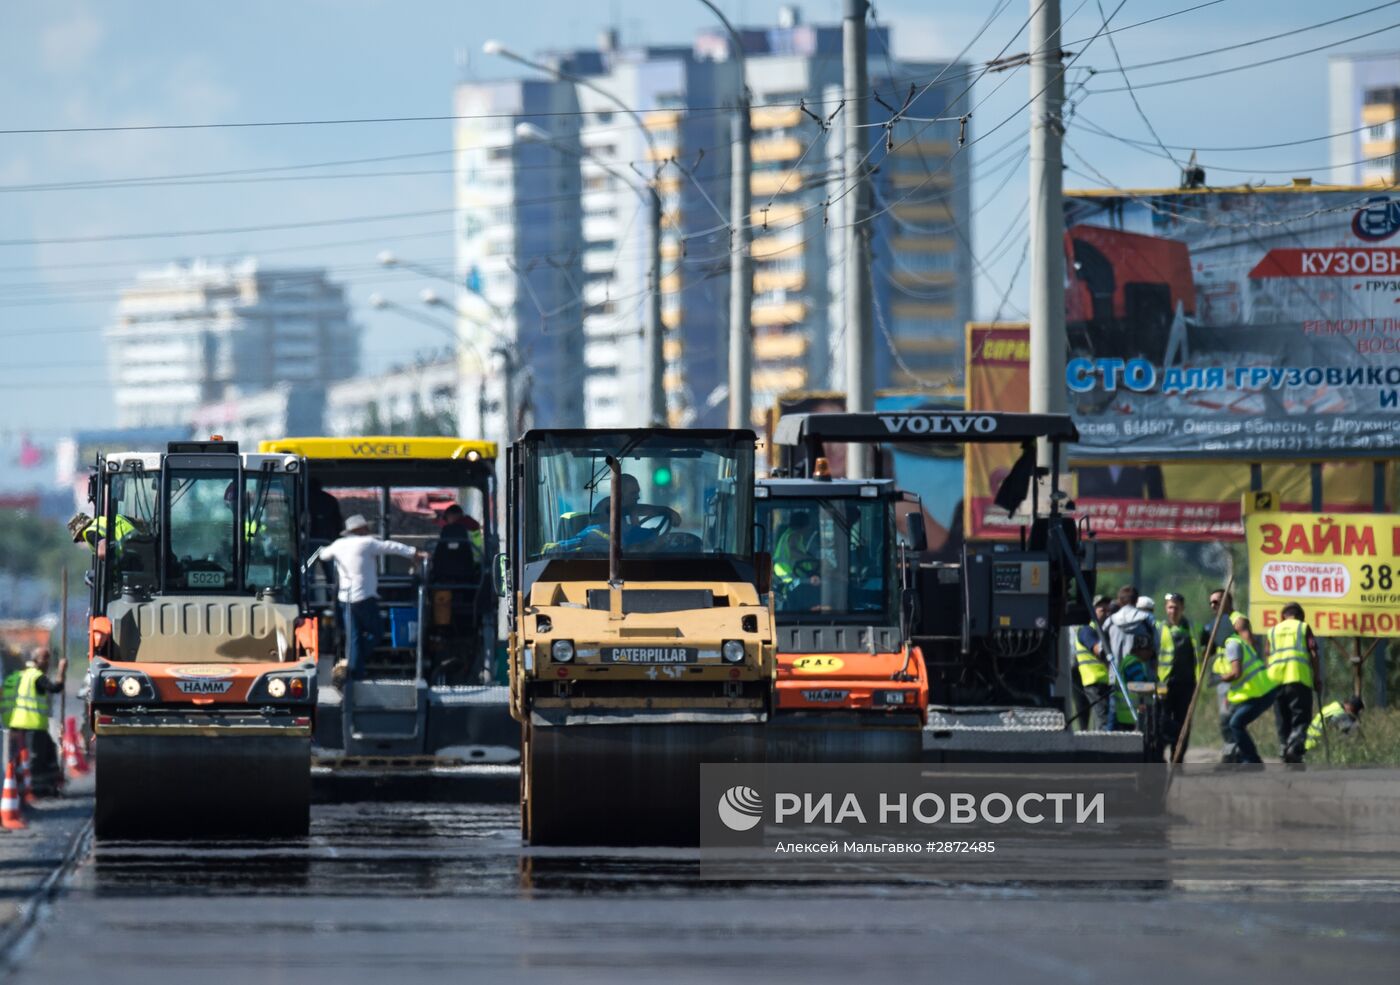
[{"x": 658, "y": 524}]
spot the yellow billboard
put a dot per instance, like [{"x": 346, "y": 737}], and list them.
[{"x": 1341, "y": 568}]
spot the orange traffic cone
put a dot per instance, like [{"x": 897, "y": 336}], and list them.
[
  {"x": 73, "y": 759},
  {"x": 26, "y": 778},
  {"x": 11, "y": 808}
]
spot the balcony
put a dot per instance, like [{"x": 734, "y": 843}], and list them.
[
  {"x": 777, "y": 149},
  {"x": 776, "y": 182},
  {"x": 784, "y": 313},
  {"x": 774, "y": 117},
  {"x": 782, "y": 345}
]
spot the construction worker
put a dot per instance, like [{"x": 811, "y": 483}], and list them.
[
  {"x": 1224, "y": 620},
  {"x": 1249, "y": 694},
  {"x": 797, "y": 552},
  {"x": 1091, "y": 670},
  {"x": 1342, "y": 715},
  {"x": 25, "y": 702},
  {"x": 1132, "y": 643},
  {"x": 85, "y": 530},
  {"x": 1176, "y": 665},
  {"x": 356, "y": 557},
  {"x": 1293, "y": 666}
]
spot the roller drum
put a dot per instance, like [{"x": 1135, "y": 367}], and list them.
[
  {"x": 198, "y": 787},
  {"x": 623, "y": 784}
]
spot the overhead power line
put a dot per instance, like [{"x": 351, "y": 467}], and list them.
[
  {"x": 1247, "y": 44},
  {"x": 1246, "y": 67}
]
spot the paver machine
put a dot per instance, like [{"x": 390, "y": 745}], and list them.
[
  {"x": 988, "y": 622},
  {"x": 431, "y": 700},
  {"x": 640, "y": 644},
  {"x": 850, "y": 685},
  {"x": 202, "y": 684}
]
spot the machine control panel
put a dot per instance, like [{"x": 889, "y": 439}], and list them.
[{"x": 1007, "y": 591}]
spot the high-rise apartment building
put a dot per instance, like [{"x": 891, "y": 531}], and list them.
[
  {"x": 519, "y": 255},
  {"x": 663, "y": 114},
  {"x": 1363, "y": 100},
  {"x": 196, "y": 333},
  {"x": 920, "y": 233}
]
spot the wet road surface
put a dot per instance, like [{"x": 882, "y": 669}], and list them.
[{"x": 397, "y": 893}]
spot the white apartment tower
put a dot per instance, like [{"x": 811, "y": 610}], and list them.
[{"x": 199, "y": 332}]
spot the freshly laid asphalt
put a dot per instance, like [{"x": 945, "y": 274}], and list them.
[{"x": 387, "y": 892}]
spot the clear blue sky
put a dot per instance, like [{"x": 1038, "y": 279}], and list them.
[{"x": 117, "y": 62}]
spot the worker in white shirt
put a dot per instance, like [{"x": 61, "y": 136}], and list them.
[{"x": 356, "y": 557}]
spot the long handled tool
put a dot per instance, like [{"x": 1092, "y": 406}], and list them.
[{"x": 1180, "y": 749}]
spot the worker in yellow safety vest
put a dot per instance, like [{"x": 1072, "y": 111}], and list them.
[
  {"x": 797, "y": 552},
  {"x": 1293, "y": 666},
  {"x": 24, "y": 702},
  {"x": 1342, "y": 715},
  {"x": 1227, "y": 619},
  {"x": 1250, "y": 692},
  {"x": 1092, "y": 678},
  {"x": 85, "y": 530},
  {"x": 1176, "y": 665}
]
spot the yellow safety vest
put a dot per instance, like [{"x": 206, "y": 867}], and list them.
[
  {"x": 30, "y": 710},
  {"x": 1254, "y": 680},
  {"x": 1091, "y": 669},
  {"x": 1166, "y": 647},
  {"x": 1319, "y": 722},
  {"x": 1288, "y": 653},
  {"x": 783, "y": 562},
  {"x": 97, "y": 530},
  {"x": 1220, "y": 664}
]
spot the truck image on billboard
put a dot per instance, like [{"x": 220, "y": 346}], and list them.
[{"x": 1244, "y": 323}]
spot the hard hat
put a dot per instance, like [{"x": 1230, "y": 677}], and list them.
[
  {"x": 1101, "y": 600},
  {"x": 77, "y": 525}
]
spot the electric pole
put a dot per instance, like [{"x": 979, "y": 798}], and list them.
[
  {"x": 653, "y": 333},
  {"x": 740, "y": 262},
  {"x": 1047, "y": 218},
  {"x": 860, "y": 339}
]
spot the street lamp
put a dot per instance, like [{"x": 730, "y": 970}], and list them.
[
  {"x": 652, "y": 331},
  {"x": 504, "y": 348},
  {"x": 379, "y": 302},
  {"x": 740, "y": 259}
]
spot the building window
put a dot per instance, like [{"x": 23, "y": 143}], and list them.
[
  {"x": 1381, "y": 131},
  {"x": 920, "y": 262}
]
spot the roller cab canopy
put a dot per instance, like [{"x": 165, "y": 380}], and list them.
[
  {"x": 924, "y": 427},
  {"x": 395, "y": 459}
]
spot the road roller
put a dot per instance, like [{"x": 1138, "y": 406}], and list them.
[
  {"x": 202, "y": 679},
  {"x": 640, "y": 641},
  {"x": 850, "y": 686},
  {"x": 432, "y": 704}
]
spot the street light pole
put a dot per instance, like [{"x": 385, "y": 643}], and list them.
[
  {"x": 653, "y": 332},
  {"x": 740, "y": 253},
  {"x": 1047, "y": 219},
  {"x": 860, "y": 339}
]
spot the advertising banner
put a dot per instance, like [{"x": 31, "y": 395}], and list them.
[
  {"x": 1341, "y": 569},
  {"x": 1165, "y": 501},
  {"x": 1248, "y": 324}
]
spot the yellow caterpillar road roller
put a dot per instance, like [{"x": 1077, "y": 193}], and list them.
[
  {"x": 202, "y": 686},
  {"x": 640, "y": 645}
]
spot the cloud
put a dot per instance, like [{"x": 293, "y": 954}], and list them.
[{"x": 66, "y": 45}]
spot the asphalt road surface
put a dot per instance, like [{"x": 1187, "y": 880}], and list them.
[{"x": 397, "y": 893}]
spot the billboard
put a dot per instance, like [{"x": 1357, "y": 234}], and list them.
[
  {"x": 1244, "y": 324},
  {"x": 1168, "y": 500},
  {"x": 1341, "y": 569}
]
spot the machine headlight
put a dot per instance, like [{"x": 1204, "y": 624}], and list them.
[
  {"x": 131, "y": 687},
  {"x": 562, "y": 651},
  {"x": 277, "y": 687},
  {"x": 732, "y": 651}
]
